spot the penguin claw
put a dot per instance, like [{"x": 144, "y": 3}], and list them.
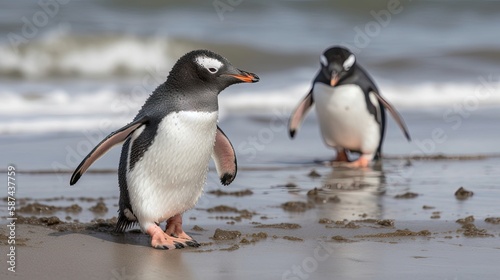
[
  {"x": 161, "y": 247},
  {"x": 178, "y": 245},
  {"x": 193, "y": 243}
]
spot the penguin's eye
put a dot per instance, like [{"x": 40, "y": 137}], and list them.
[{"x": 211, "y": 64}]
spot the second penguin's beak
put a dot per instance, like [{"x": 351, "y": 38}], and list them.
[
  {"x": 334, "y": 79},
  {"x": 246, "y": 77}
]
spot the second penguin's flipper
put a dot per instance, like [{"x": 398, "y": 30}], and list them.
[
  {"x": 224, "y": 158},
  {"x": 299, "y": 114},
  {"x": 107, "y": 143},
  {"x": 395, "y": 115}
]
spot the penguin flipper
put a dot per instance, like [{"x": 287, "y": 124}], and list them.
[
  {"x": 395, "y": 115},
  {"x": 107, "y": 143},
  {"x": 224, "y": 158},
  {"x": 299, "y": 113}
]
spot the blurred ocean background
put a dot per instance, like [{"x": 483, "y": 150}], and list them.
[{"x": 65, "y": 66}]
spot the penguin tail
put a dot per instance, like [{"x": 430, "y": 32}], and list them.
[{"x": 123, "y": 223}]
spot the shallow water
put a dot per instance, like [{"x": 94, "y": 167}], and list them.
[{"x": 268, "y": 165}]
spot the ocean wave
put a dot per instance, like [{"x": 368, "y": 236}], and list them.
[
  {"x": 84, "y": 56},
  {"x": 60, "y": 111},
  {"x": 63, "y": 103},
  {"x": 101, "y": 57},
  {"x": 104, "y": 56},
  {"x": 486, "y": 92}
]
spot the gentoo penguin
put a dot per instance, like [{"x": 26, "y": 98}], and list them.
[
  {"x": 167, "y": 148},
  {"x": 349, "y": 107}
]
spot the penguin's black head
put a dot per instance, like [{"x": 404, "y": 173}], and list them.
[
  {"x": 211, "y": 70},
  {"x": 336, "y": 64}
]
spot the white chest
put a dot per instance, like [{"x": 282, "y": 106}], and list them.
[
  {"x": 169, "y": 178},
  {"x": 344, "y": 117}
]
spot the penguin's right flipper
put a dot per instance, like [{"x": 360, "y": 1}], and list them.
[
  {"x": 224, "y": 158},
  {"x": 397, "y": 117},
  {"x": 299, "y": 114},
  {"x": 107, "y": 143}
]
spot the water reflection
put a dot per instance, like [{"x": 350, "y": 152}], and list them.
[
  {"x": 349, "y": 193},
  {"x": 146, "y": 263}
]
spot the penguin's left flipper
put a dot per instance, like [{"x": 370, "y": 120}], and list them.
[
  {"x": 107, "y": 143},
  {"x": 224, "y": 158},
  {"x": 395, "y": 115},
  {"x": 299, "y": 114}
]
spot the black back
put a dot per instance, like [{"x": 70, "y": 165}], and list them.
[{"x": 190, "y": 87}]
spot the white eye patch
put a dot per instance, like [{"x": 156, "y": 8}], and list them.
[
  {"x": 349, "y": 62},
  {"x": 211, "y": 64},
  {"x": 323, "y": 60}
]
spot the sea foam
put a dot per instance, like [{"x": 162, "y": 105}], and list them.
[{"x": 61, "y": 110}]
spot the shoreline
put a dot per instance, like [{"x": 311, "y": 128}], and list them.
[{"x": 299, "y": 165}]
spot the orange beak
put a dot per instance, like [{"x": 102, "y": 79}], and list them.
[
  {"x": 246, "y": 77},
  {"x": 334, "y": 80}
]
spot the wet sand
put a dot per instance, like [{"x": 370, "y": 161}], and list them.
[
  {"x": 349, "y": 226},
  {"x": 286, "y": 216},
  {"x": 414, "y": 250}
]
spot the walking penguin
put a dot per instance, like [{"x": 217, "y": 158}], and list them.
[
  {"x": 167, "y": 148},
  {"x": 349, "y": 107}
]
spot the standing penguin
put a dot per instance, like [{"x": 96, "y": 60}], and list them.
[
  {"x": 350, "y": 109},
  {"x": 164, "y": 160}
]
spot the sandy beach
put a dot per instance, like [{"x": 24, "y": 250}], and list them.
[{"x": 432, "y": 250}]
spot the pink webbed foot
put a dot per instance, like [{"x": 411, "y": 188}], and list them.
[
  {"x": 174, "y": 229},
  {"x": 362, "y": 162},
  {"x": 162, "y": 240}
]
